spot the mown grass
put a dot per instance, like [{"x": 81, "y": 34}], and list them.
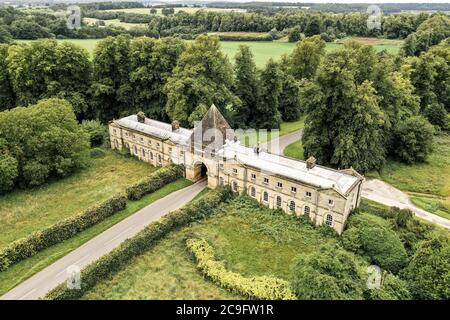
[
  {"x": 25, "y": 211},
  {"x": 25, "y": 269},
  {"x": 295, "y": 150},
  {"x": 262, "y": 50},
  {"x": 427, "y": 183},
  {"x": 252, "y": 239}
]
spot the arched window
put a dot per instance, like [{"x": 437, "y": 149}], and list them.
[
  {"x": 265, "y": 196},
  {"x": 292, "y": 206},
  {"x": 143, "y": 153},
  {"x": 136, "y": 150},
  {"x": 278, "y": 202},
  {"x": 235, "y": 186},
  {"x": 159, "y": 158},
  {"x": 307, "y": 211},
  {"x": 221, "y": 181},
  {"x": 151, "y": 155},
  {"x": 116, "y": 143},
  {"x": 329, "y": 220},
  {"x": 253, "y": 192}
]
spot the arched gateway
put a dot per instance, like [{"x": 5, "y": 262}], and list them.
[{"x": 210, "y": 151}]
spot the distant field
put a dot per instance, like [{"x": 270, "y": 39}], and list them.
[
  {"x": 25, "y": 211},
  {"x": 116, "y": 22},
  {"x": 262, "y": 50},
  {"x": 187, "y": 10}
]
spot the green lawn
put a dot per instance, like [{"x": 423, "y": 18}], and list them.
[
  {"x": 25, "y": 211},
  {"x": 295, "y": 150},
  {"x": 25, "y": 269},
  {"x": 262, "y": 50},
  {"x": 428, "y": 183},
  {"x": 243, "y": 233}
]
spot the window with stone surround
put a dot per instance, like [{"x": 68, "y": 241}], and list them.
[
  {"x": 329, "y": 220},
  {"x": 292, "y": 206}
]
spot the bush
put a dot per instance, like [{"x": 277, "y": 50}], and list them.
[
  {"x": 330, "y": 273},
  {"x": 137, "y": 245},
  {"x": 154, "y": 182},
  {"x": 8, "y": 172},
  {"x": 96, "y": 131},
  {"x": 413, "y": 139},
  {"x": 392, "y": 288},
  {"x": 437, "y": 115},
  {"x": 373, "y": 237},
  {"x": 27, "y": 247},
  {"x": 264, "y": 287}
]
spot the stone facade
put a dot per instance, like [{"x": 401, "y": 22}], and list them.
[{"x": 325, "y": 195}]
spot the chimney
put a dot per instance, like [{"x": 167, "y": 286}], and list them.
[
  {"x": 141, "y": 117},
  {"x": 175, "y": 125},
  {"x": 311, "y": 162}
]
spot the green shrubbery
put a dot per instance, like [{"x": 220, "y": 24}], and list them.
[
  {"x": 374, "y": 237},
  {"x": 117, "y": 258},
  {"x": 263, "y": 287},
  {"x": 27, "y": 247},
  {"x": 154, "y": 182}
]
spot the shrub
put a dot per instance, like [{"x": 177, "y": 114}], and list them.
[
  {"x": 262, "y": 287},
  {"x": 373, "y": 237},
  {"x": 392, "y": 288},
  {"x": 144, "y": 240},
  {"x": 8, "y": 172},
  {"x": 330, "y": 273},
  {"x": 428, "y": 273},
  {"x": 27, "y": 247},
  {"x": 96, "y": 131},
  {"x": 437, "y": 115},
  {"x": 154, "y": 182}
]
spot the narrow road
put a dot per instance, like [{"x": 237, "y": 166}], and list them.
[
  {"x": 381, "y": 192},
  {"x": 283, "y": 141},
  {"x": 45, "y": 280}
]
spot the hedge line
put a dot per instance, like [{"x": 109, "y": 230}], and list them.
[
  {"x": 155, "y": 181},
  {"x": 137, "y": 245},
  {"x": 63, "y": 230},
  {"x": 263, "y": 287}
]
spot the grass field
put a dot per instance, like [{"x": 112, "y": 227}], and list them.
[
  {"x": 427, "y": 183},
  {"x": 116, "y": 22},
  {"x": 26, "y": 268},
  {"x": 25, "y": 211},
  {"x": 262, "y": 50},
  {"x": 294, "y": 150},
  {"x": 243, "y": 233},
  {"x": 187, "y": 10}
]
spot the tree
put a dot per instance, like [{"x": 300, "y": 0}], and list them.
[
  {"x": 246, "y": 86},
  {"x": 306, "y": 57},
  {"x": 95, "y": 130},
  {"x": 428, "y": 273},
  {"x": 7, "y": 98},
  {"x": 294, "y": 34},
  {"x": 152, "y": 62},
  {"x": 290, "y": 107},
  {"x": 313, "y": 27},
  {"x": 203, "y": 75},
  {"x": 5, "y": 36},
  {"x": 437, "y": 115},
  {"x": 413, "y": 139},
  {"x": 343, "y": 125},
  {"x": 8, "y": 172},
  {"x": 329, "y": 273},
  {"x": 44, "y": 140},
  {"x": 267, "y": 114},
  {"x": 111, "y": 90},
  {"x": 45, "y": 69},
  {"x": 373, "y": 236}
]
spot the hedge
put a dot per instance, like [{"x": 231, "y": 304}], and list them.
[
  {"x": 63, "y": 230},
  {"x": 261, "y": 287},
  {"x": 112, "y": 262},
  {"x": 155, "y": 181}
]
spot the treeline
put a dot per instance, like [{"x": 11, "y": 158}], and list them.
[
  {"x": 308, "y": 22},
  {"x": 18, "y": 24},
  {"x": 361, "y": 106}
]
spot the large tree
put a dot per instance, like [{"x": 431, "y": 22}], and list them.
[
  {"x": 267, "y": 114},
  {"x": 343, "y": 126},
  {"x": 40, "y": 142},
  {"x": 306, "y": 57},
  {"x": 111, "y": 90},
  {"x": 152, "y": 62},
  {"x": 203, "y": 76},
  {"x": 246, "y": 86},
  {"x": 46, "y": 69}
]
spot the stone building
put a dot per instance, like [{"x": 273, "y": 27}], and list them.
[{"x": 211, "y": 151}]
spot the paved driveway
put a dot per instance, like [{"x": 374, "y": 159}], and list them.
[{"x": 45, "y": 280}]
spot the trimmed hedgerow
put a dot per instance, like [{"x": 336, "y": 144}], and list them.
[
  {"x": 139, "y": 244},
  {"x": 262, "y": 287},
  {"x": 155, "y": 181},
  {"x": 63, "y": 230}
]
